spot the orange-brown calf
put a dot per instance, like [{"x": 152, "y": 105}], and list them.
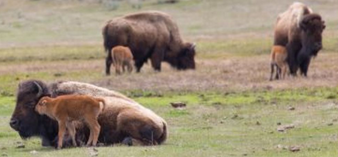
[
  {"x": 122, "y": 57},
  {"x": 67, "y": 108},
  {"x": 278, "y": 60}
]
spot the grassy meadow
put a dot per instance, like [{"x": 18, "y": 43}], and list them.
[{"x": 232, "y": 108}]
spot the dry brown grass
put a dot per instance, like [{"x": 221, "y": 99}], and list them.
[{"x": 230, "y": 74}]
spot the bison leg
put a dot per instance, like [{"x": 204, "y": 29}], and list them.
[
  {"x": 135, "y": 126},
  {"x": 108, "y": 64},
  {"x": 94, "y": 127},
  {"x": 156, "y": 59},
  {"x": 128, "y": 141},
  {"x": 293, "y": 49},
  {"x": 62, "y": 130},
  {"x": 138, "y": 65},
  {"x": 304, "y": 62},
  {"x": 118, "y": 68},
  {"x": 109, "y": 61},
  {"x": 272, "y": 70},
  {"x": 278, "y": 72},
  {"x": 72, "y": 132},
  {"x": 130, "y": 67}
]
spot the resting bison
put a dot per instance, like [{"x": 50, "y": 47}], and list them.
[
  {"x": 300, "y": 31},
  {"x": 151, "y": 35},
  {"x": 67, "y": 108},
  {"x": 123, "y": 119}
]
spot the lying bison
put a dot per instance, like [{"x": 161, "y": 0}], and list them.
[
  {"x": 151, "y": 35},
  {"x": 300, "y": 31},
  {"x": 123, "y": 119}
]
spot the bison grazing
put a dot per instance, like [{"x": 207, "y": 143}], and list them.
[
  {"x": 123, "y": 119},
  {"x": 151, "y": 35},
  {"x": 67, "y": 108},
  {"x": 300, "y": 31},
  {"x": 122, "y": 57}
]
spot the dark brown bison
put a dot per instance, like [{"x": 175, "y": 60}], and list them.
[
  {"x": 300, "y": 31},
  {"x": 151, "y": 35},
  {"x": 123, "y": 119}
]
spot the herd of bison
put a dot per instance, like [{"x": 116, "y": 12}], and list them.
[{"x": 108, "y": 117}]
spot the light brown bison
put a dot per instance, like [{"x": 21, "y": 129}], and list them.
[
  {"x": 68, "y": 108},
  {"x": 300, "y": 31},
  {"x": 122, "y": 57},
  {"x": 278, "y": 61},
  {"x": 123, "y": 119},
  {"x": 151, "y": 35}
]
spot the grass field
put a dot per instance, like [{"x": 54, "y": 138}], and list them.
[{"x": 232, "y": 108}]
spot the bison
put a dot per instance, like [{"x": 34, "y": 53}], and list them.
[
  {"x": 300, "y": 31},
  {"x": 278, "y": 61},
  {"x": 122, "y": 121},
  {"x": 122, "y": 57},
  {"x": 150, "y": 34},
  {"x": 67, "y": 108}
]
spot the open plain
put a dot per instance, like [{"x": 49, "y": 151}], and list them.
[{"x": 232, "y": 107}]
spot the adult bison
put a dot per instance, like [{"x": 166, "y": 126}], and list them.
[
  {"x": 300, "y": 30},
  {"x": 151, "y": 35},
  {"x": 123, "y": 119}
]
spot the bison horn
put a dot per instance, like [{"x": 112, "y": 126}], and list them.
[
  {"x": 193, "y": 46},
  {"x": 39, "y": 88}
]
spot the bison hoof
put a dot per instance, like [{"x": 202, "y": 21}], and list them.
[{"x": 128, "y": 141}]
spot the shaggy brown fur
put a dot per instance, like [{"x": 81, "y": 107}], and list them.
[
  {"x": 278, "y": 61},
  {"x": 290, "y": 26},
  {"x": 150, "y": 35},
  {"x": 122, "y": 121},
  {"x": 122, "y": 57},
  {"x": 68, "y": 108}
]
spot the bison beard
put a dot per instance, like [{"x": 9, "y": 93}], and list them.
[
  {"x": 149, "y": 35},
  {"x": 116, "y": 126}
]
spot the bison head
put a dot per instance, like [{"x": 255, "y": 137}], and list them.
[
  {"x": 312, "y": 28},
  {"x": 185, "y": 58},
  {"x": 25, "y": 119}
]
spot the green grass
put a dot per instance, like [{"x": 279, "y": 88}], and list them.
[
  {"x": 219, "y": 124},
  {"x": 61, "y": 40}
]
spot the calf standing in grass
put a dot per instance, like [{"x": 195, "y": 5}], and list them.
[
  {"x": 67, "y": 108},
  {"x": 278, "y": 59},
  {"x": 122, "y": 57}
]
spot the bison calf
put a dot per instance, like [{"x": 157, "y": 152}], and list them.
[
  {"x": 68, "y": 108},
  {"x": 278, "y": 60},
  {"x": 122, "y": 57}
]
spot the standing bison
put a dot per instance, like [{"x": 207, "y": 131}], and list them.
[
  {"x": 123, "y": 120},
  {"x": 151, "y": 35},
  {"x": 300, "y": 31}
]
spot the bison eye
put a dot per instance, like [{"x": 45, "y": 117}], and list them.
[{"x": 31, "y": 105}]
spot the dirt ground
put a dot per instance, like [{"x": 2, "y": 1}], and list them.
[{"x": 229, "y": 74}]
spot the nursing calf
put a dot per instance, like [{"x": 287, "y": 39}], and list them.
[
  {"x": 278, "y": 59},
  {"x": 68, "y": 108}
]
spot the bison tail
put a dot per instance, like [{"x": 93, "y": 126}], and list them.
[
  {"x": 164, "y": 135},
  {"x": 105, "y": 38},
  {"x": 102, "y": 104}
]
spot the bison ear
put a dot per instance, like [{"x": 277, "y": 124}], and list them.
[
  {"x": 324, "y": 26},
  {"x": 43, "y": 103}
]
